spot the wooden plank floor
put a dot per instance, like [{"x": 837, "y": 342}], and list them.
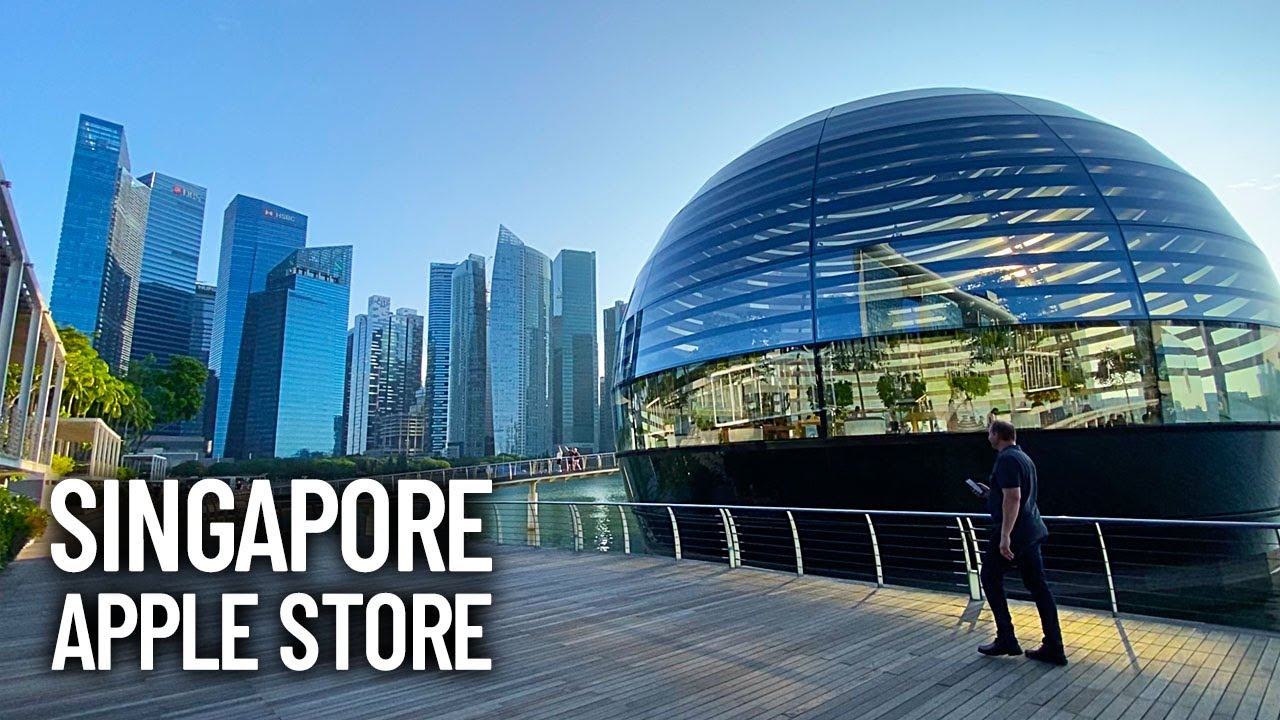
[{"x": 589, "y": 635}]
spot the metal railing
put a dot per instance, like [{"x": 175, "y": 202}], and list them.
[
  {"x": 515, "y": 470},
  {"x": 1214, "y": 571}
]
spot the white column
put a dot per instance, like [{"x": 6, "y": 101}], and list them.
[
  {"x": 28, "y": 374},
  {"x": 95, "y": 454},
  {"x": 51, "y": 421},
  {"x": 42, "y": 405},
  {"x": 9, "y": 317}
]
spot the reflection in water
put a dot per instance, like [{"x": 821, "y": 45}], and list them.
[{"x": 601, "y": 524}]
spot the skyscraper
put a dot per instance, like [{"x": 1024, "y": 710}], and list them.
[
  {"x": 439, "y": 324},
  {"x": 611, "y": 318},
  {"x": 519, "y": 347},
  {"x": 95, "y": 281},
  {"x": 256, "y": 237},
  {"x": 470, "y": 405},
  {"x": 384, "y": 371},
  {"x": 201, "y": 342},
  {"x": 575, "y": 375},
  {"x": 290, "y": 365},
  {"x": 170, "y": 256}
]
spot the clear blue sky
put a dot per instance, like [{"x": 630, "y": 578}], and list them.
[{"x": 411, "y": 129}]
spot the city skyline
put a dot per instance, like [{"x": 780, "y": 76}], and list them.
[{"x": 437, "y": 151}]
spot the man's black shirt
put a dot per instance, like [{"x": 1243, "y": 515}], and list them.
[{"x": 1013, "y": 469}]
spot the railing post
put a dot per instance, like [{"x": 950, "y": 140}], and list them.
[
  {"x": 577, "y": 528},
  {"x": 977, "y": 556},
  {"x": 875, "y": 550},
  {"x": 731, "y": 538},
  {"x": 975, "y": 586},
  {"x": 1106, "y": 562},
  {"x": 626, "y": 532},
  {"x": 795, "y": 537},
  {"x": 497, "y": 520},
  {"x": 675, "y": 530},
  {"x": 534, "y": 527}
]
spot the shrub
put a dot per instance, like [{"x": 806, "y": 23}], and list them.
[
  {"x": 125, "y": 473},
  {"x": 21, "y": 519},
  {"x": 61, "y": 465}
]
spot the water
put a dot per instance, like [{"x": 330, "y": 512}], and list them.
[{"x": 603, "y": 527}]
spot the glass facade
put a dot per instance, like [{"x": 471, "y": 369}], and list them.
[
  {"x": 924, "y": 261},
  {"x": 385, "y": 365},
  {"x": 611, "y": 318},
  {"x": 256, "y": 237},
  {"x": 95, "y": 281},
  {"x": 470, "y": 394},
  {"x": 170, "y": 257},
  {"x": 439, "y": 324},
  {"x": 575, "y": 362},
  {"x": 290, "y": 377},
  {"x": 519, "y": 347}
]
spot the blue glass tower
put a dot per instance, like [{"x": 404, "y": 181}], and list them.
[
  {"x": 470, "y": 393},
  {"x": 519, "y": 346},
  {"x": 290, "y": 370},
  {"x": 575, "y": 375},
  {"x": 256, "y": 237},
  {"x": 439, "y": 327},
  {"x": 95, "y": 282},
  {"x": 170, "y": 256}
]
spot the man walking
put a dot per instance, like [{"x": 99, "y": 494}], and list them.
[{"x": 1017, "y": 535}]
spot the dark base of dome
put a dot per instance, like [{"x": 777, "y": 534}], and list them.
[{"x": 1187, "y": 471}]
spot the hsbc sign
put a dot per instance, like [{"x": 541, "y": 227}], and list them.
[{"x": 274, "y": 214}]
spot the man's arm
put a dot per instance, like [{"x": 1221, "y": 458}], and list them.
[{"x": 1012, "y": 502}]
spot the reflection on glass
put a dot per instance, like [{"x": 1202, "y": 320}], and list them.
[{"x": 1053, "y": 376}]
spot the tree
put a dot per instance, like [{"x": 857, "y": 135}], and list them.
[
  {"x": 990, "y": 344},
  {"x": 1115, "y": 366},
  {"x": 857, "y": 357},
  {"x": 171, "y": 394}
]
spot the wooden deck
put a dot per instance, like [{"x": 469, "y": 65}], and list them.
[{"x": 586, "y": 636}]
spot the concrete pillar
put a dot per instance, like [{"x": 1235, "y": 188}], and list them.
[
  {"x": 51, "y": 422},
  {"x": 9, "y": 316},
  {"x": 28, "y": 373},
  {"x": 42, "y": 405}
]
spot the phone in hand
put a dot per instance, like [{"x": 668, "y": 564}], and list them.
[{"x": 977, "y": 490}]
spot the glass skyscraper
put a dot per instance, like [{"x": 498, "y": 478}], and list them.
[
  {"x": 519, "y": 345},
  {"x": 201, "y": 342},
  {"x": 170, "y": 256},
  {"x": 256, "y": 237},
  {"x": 612, "y": 326},
  {"x": 384, "y": 372},
  {"x": 575, "y": 375},
  {"x": 470, "y": 405},
  {"x": 95, "y": 281},
  {"x": 439, "y": 324},
  {"x": 288, "y": 385}
]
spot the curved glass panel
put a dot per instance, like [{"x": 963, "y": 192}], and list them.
[{"x": 938, "y": 210}]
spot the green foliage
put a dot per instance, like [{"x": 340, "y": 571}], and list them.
[
  {"x": 969, "y": 384},
  {"x": 843, "y": 390},
  {"x": 20, "y": 520},
  {"x": 188, "y": 469},
  {"x": 894, "y": 389},
  {"x": 61, "y": 465},
  {"x": 170, "y": 394},
  {"x": 1114, "y": 366},
  {"x": 125, "y": 473}
]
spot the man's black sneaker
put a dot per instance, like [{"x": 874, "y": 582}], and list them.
[
  {"x": 1048, "y": 654},
  {"x": 1000, "y": 647}
]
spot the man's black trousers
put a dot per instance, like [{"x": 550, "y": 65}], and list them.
[{"x": 1030, "y": 565}]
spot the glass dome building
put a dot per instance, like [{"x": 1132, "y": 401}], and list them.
[{"x": 836, "y": 315}]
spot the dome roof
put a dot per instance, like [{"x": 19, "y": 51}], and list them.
[{"x": 935, "y": 209}]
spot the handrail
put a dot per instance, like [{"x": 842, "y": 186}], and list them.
[
  {"x": 1225, "y": 575},
  {"x": 1157, "y": 522}
]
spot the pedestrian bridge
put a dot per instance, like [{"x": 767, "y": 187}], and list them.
[{"x": 619, "y": 634}]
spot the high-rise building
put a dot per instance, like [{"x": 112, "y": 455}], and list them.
[
  {"x": 201, "y": 342},
  {"x": 256, "y": 237},
  {"x": 519, "y": 347},
  {"x": 439, "y": 322},
  {"x": 611, "y": 319},
  {"x": 170, "y": 256},
  {"x": 470, "y": 405},
  {"x": 290, "y": 365},
  {"x": 575, "y": 372},
  {"x": 384, "y": 371},
  {"x": 95, "y": 281}
]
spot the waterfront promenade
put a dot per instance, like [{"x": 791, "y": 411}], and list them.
[{"x": 605, "y": 635}]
